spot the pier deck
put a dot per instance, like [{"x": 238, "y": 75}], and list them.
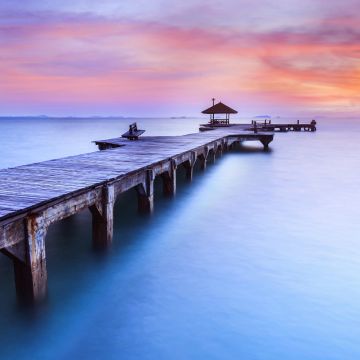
[
  {"x": 284, "y": 127},
  {"x": 263, "y": 126},
  {"x": 34, "y": 196}
]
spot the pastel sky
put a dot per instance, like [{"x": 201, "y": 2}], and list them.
[{"x": 141, "y": 57}]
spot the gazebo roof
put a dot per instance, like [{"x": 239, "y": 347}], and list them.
[{"x": 219, "y": 108}]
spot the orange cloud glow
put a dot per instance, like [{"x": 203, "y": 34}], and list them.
[{"x": 88, "y": 64}]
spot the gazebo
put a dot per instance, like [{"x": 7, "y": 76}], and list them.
[{"x": 219, "y": 108}]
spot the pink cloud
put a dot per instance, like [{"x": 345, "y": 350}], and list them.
[{"x": 80, "y": 60}]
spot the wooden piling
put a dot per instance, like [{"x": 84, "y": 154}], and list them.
[
  {"x": 169, "y": 180},
  {"x": 103, "y": 219},
  {"x": 30, "y": 262},
  {"x": 145, "y": 193},
  {"x": 203, "y": 158}
]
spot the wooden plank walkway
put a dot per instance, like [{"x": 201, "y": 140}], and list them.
[
  {"x": 273, "y": 127},
  {"x": 265, "y": 126},
  {"x": 34, "y": 196},
  {"x": 26, "y": 186}
]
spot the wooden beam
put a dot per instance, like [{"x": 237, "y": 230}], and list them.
[
  {"x": 169, "y": 180},
  {"x": 145, "y": 193},
  {"x": 189, "y": 165},
  {"x": 31, "y": 274},
  {"x": 12, "y": 233},
  {"x": 103, "y": 219}
]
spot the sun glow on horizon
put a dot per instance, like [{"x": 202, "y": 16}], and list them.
[{"x": 59, "y": 62}]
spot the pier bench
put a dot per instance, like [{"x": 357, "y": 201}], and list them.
[{"x": 133, "y": 133}]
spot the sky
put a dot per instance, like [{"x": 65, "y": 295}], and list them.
[{"x": 161, "y": 58}]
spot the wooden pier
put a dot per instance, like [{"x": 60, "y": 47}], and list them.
[
  {"x": 32, "y": 197},
  {"x": 269, "y": 126},
  {"x": 263, "y": 126}
]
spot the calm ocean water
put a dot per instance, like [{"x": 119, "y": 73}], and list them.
[{"x": 257, "y": 258}]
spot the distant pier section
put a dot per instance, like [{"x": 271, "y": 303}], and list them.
[
  {"x": 267, "y": 125},
  {"x": 220, "y": 118},
  {"x": 32, "y": 197}
]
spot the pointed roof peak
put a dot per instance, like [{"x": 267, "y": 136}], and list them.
[{"x": 219, "y": 108}]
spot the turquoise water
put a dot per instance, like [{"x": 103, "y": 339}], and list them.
[{"x": 257, "y": 258}]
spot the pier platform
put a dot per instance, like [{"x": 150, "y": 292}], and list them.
[
  {"x": 284, "y": 127},
  {"x": 34, "y": 196},
  {"x": 262, "y": 126}
]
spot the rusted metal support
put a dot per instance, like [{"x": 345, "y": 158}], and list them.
[
  {"x": 103, "y": 219},
  {"x": 169, "y": 180},
  {"x": 29, "y": 259},
  {"x": 145, "y": 192}
]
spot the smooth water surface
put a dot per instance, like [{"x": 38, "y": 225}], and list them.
[{"x": 257, "y": 258}]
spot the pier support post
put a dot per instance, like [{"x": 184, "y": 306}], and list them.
[
  {"x": 203, "y": 163},
  {"x": 203, "y": 158},
  {"x": 145, "y": 193},
  {"x": 219, "y": 149},
  {"x": 225, "y": 145},
  {"x": 169, "y": 180},
  {"x": 189, "y": 166},
  {"x": 266, "y": 142},
  {"x": 29, "y": 260},
  {"x": 103, "y": 219},
  {"x": 234, "y": 144},
  {"x": 213, "y": 155},
  {"x": 189, "y": 170}
]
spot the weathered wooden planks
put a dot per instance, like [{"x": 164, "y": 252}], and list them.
[{"x": 26, "y": 186}]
